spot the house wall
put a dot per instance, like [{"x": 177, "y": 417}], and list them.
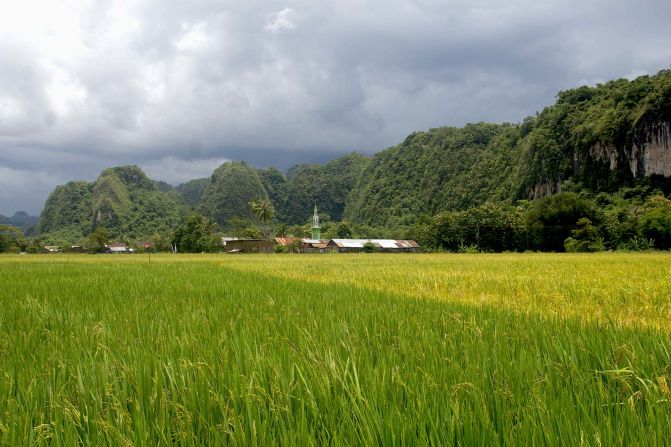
[
  {"x": 377, "y": 250},
  {"x": 250, "y": 246}
]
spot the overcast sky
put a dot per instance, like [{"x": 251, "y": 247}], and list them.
[{"x": 179, "y": 86}]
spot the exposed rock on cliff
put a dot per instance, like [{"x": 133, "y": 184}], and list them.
[
  {"x": 650, "y": 153},
  {"x": 602, "y": 137}
]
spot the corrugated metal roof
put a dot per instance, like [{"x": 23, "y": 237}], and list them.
[
  {"x": 380, "y": 243},
  {"x": 352, "y": 243}
]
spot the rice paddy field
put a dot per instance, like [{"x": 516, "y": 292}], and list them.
[{"x": 361, "y": 349}]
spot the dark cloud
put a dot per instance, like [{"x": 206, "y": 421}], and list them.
[{"x": 178, "y": 87}]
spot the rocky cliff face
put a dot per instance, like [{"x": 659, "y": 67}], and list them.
[
  {"x": 603, "y": 153},
  {"x": 543, "y": 189},
  {"x": 606, "y": 166},
  {"x": 650, "y": 153},
  {"x": 602, "y": 138}
]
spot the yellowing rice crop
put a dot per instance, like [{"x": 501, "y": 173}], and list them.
[
  {"x": 514, "y": 349},
  {"x": 631, "y": 289}
]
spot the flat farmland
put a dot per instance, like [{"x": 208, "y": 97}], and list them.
[{"x": 362, "y": 349}]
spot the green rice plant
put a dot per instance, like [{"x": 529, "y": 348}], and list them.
[{"x": 335, "y": 350}]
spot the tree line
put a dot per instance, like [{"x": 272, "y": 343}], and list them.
[{"x": 566, "y": 221}]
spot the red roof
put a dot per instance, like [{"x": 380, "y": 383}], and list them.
[{"x": 286, "y": 240}]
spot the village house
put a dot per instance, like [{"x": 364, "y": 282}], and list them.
[
  {"x": 235, "y": 245},
  {"x": 118, "y": 247},
  {"x": 318, "y": 245},
  {"x": 303, "y": 245},
  {"x": 315, "y": 244},
  {"x": 381, "y": 245}
]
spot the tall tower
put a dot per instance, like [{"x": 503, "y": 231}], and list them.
[{"x": 316, "y": 229}]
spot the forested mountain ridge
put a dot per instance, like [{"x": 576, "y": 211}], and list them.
[
  {"x": 592, "y": 140},
  {"x": 192, "y": 191},
  {"x": 226, "y": 194},
  {"x": 441, "y": 169},
  {"x": 22, "y": 220},
  {"x": 122, "y": 199},
  {"x": 602, "y": 137},
  {"x": 131, "y": 206},
  {"x": 328, "y": 186},
  {"x": 230, "y": 189}
]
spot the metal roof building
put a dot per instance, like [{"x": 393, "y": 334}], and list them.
[
  {"x": 249, "y": 246},
  {"x": 383, "y": 245},
  {"x": 305, "y": 245}
]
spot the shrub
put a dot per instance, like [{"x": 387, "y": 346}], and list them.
[
  {"x": 280, "y": 248},
  {"x": 369, "y": 247},
  {"x": 585, "y": 238}
]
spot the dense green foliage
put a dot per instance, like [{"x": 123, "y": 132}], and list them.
[
  {"x": 611, "y": 116},
  {"x": 122, "y": 199},
  {"x": 12, "y": 239},
  {"x": 232, "y": 186},
  {"x": 192, "y": 191},
  {"x": 117, "y": 351},
  {"x": 27, "y": 223},
  {"x": 438, "y": 170},
  {"x": 655, "y": 222},
  {"x": 632, "y": 219},
  {"x": 489, "y": 228},
  {"x": 569, "y": 143},
  {"x": 68, "y": 207},
  {"x": 552, "y": 220},
  {"x": 326, "y": 185},
  {"x": 235, "y": 184},
  {"x": 276, "y": 186},
  {"x": 98, "y": 239},
  {"x": 585, "y": 238},
  {"x": 197, "y": 235}
]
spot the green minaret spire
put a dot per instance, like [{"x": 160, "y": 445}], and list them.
[{"x": 316, "y": 229}]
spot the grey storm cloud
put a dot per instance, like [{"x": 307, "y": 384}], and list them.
[{"x": 179, "y": 87}]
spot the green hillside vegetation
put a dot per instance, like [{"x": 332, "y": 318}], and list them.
[
  {"x": 276, "y": 186},
  {"x": 12, "y": 239},
  {"x": 611, "y": 117},
  {"x": 226, "y": 199},
  {"x": 111, "y": 201},
  {"x": 68, "y": 208},
  {"x": 438, "y": 170},
  {"x": 192, "y": 191},
  {"x": 327, "y": 185},
  {"x": 163, "y": 186},
  {"x": 485, "y": 187},
  {"x": 22, "y": 220},
  {"x": 122, "y": 199}
]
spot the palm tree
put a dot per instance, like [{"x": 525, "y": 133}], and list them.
[{"x": 263, "y": 209}]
